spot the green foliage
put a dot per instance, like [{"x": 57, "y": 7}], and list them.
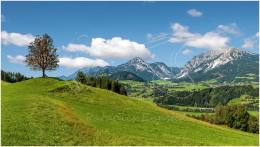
[
  {"x": 151, "y": 89},
  {"x": 209, "y": 97},
  {"x": 250, "y": 102},
  {"x": 186, "y": 109},
  {"x": 42, "y": 54},
  {"x": 81, "y": 77},
  {"x": 12, "y": 77},
  {"x": 221, "y": 114},
  {"x": 124, "y": 75},
  {"x": 253, "y": 124},
  {"x": 101, "y": 82},
  {"x": 137, "y": 89},
  {"x": 235, "y": 116}
]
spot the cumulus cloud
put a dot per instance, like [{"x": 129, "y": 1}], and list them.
[
  {"x": 115, "y": 48},
  {"x": 186, "y": 52},
  {"x": 16, "y": 38},
  {"x": 77, "y": 62},
  {"x": 18, "y": 59},
  {"x": 251, "y": 42},
  {"x": 231, "y": 28},
  {"x": 194, "y": 13},
  {"x": 75, "y": 47},
  {"x": 80, "y": 62},
  {"x": 209, "y": 40}
]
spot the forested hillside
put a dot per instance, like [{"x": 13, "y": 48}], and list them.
[{"x": 208, "y": 97}]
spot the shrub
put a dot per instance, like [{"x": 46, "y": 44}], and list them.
[
  {"x": 238, "y": 118},
  {"x": 233, "y": 116},
  {"x": 253, "y": 124},
  {"x": 81, "y": 77}
]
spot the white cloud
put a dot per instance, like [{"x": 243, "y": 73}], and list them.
[
  {"x": 186, "y": 52},
  {"x": 77, "y": 62},
  {"x": 18, "y": 59},
  {"x": 16, "y": 38},
  {"x": 116, "y": 48},
  {"x": 248, "y": 43},
  {"x": 251, "y": 42},
  {"x": 209, "y": 40},
  {"x": 156, "y": 37},
  {"x": 75, "y": 47},
  {"x": 80, "y": 62},
  {"x": 231, "y": 28},
  {"x": 194, "y": 13}
]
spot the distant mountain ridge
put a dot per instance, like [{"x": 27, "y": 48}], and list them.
[
  {"x": 224, "y": 65},
  {"x": 229, "y": 64},
  {"x": 146, "y": 71}
]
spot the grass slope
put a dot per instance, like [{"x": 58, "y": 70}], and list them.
[{"x": 51, "y": 112}]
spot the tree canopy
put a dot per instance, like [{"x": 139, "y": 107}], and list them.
[{"x": 42, "y": 54}]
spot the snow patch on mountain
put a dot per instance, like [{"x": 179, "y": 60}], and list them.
[{"x": 210, "y": 60}]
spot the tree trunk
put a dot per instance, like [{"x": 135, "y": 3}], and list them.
[{"x": 43, "y": 73}]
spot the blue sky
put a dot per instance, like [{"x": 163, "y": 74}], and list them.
[{"x": 110, "y": 33}]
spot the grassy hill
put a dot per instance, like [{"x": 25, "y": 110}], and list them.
[{"x": 51, "y": 112}]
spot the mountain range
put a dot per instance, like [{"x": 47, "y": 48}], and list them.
[{"x": 222, "y": 65}]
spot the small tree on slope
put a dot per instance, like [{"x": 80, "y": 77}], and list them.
[{"x": 42, "y": 54}]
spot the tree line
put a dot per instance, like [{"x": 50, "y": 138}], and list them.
[
  {"x": 233, "y": 116},
  {"x": 209, "y": 97},
  {"x": 194, "y": 109},
  {"x": 12, "y": 77},
  {"x": 101, "y": 82}
]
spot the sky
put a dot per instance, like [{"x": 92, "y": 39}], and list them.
[{"x": 89, "y": 34}]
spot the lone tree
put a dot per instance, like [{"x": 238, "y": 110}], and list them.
[{"x": 42, "y": 54}]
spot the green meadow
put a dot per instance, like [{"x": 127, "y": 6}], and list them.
[{"x": 46, "y": 111}]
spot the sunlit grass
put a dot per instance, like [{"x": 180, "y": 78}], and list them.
[{"x": 51, "y": 112}]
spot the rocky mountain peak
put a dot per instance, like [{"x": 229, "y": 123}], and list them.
[
  {"x": 136, "y": 60},
  {"x": 212, "y": 59}
]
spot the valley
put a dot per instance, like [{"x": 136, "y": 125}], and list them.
[{"x": 215, "y": 78}]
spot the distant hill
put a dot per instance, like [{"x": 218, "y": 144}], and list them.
[
  {"x": 208, "y": 97},
  {"x": 124, "y": 75},
  {"x": 61, "y": 113}
]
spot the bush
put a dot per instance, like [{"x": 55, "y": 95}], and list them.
[
  {"x": 220, "y": 115},
  {"x": 81, "y": 77},
  {"x": 253, "y": 124},
  {"x": 233, "y": 116},
  {"x": 238, "y": 118}
]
